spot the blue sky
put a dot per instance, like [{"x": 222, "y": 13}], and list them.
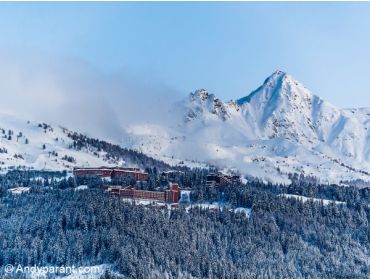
[{"x": 228, "y": 48}]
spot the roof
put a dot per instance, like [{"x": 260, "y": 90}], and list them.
[
  {"x": 19, "y": 190},
  {"x": 125, "y": 169}
]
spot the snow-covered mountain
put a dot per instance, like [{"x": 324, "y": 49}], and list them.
[
  {"x": 40, "y": 146},
  {"x": 279, "y": 128},
  {"x": 36, "y": 145}
]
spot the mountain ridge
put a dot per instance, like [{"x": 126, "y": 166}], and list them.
[
  {"x": 282, "y": 116},
  {"x": 279, "y": 129}
]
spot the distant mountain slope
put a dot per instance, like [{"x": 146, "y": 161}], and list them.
[
  {"x": 279, "y": 128},
  {"x": 41, "y": 146}
]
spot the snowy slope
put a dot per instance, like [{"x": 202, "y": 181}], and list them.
[
  {"x": 304, "y": 199},
  {"x": 279, "y": 128},
  {"x": 40, "y": 146}
]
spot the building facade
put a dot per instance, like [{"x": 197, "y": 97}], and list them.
[
  {"x": 171, "y": 195},
  {"x": 221, "y": 180},
  {"x": 111, "y": 172}
]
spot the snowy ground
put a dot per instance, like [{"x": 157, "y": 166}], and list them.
[
  {"x": 81, "y": 188},
  {"x": 35, "y": 145},
  {"x": 220, "y": 206},
  {"x": 305, "y": 199},
  {"x": 209, "y": 206}
]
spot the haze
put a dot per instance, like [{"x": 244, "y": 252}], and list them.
[{"x": 96, "y": 67}]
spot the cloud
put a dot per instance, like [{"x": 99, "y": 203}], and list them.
[{"x": 70, "y": 92}]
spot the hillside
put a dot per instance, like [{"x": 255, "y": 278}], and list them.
[
  {"x": 33, "y": 145},
  {"x": 279, "y": 128}
]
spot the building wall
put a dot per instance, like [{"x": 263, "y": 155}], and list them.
[
  {"x": 97, "y": 172},
  {"x": 112, "y": 172},
  {"x": 141, "y": 194},
  {"x": 221, "y": 179},
  {"x": 172, "y": 195}
]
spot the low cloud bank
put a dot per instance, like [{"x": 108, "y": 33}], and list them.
[{"x": 72, "y": 93}]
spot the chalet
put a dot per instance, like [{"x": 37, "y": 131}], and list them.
[
  {"x": 171, "y": 195},
  {"x": 171, "y": 174},
  {"x": 220, "y": 180},
  {"x": 111, "y": 172}
]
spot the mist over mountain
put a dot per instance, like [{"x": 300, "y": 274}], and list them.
[
  {"x": 279, "y": 128},
  {"x": 71, "y": 92}
]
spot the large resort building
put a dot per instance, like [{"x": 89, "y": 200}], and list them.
[
  {"x": 171, "y": 195},
  {"x": 221, "y": 180},
  {"x": 111, "y": 172}
]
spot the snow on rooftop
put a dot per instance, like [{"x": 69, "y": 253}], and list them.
[
  {"x": 19, "y": 190},
  {"x": 81, "y": 188}
]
